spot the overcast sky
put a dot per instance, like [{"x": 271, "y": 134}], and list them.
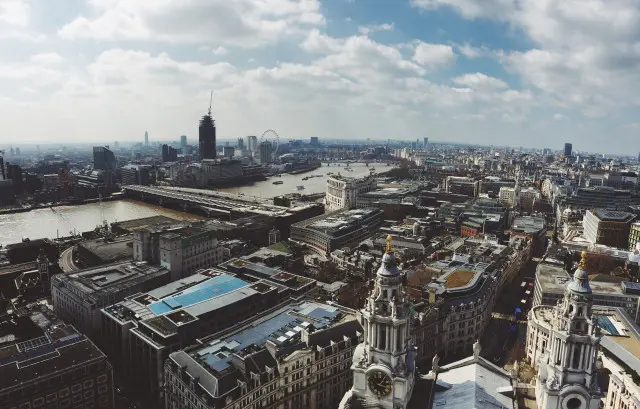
[{"x": 532, "y": 73}]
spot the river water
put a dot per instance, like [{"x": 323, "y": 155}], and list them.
[
  {"x": 62, "y": 220},
  {"x": 313, "y": 185}
]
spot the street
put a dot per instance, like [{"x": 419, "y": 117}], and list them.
[
  {"x": 66, "y": 261},
  {"x": 504, "y": 339}
]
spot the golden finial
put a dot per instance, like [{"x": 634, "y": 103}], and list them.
[
  {"x": 389, "y": 250},
  {"x": 583, "y": 260}
]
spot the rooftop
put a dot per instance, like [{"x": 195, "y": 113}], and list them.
[
  {"x": 528, "y": 224},
  {"x": 342, "y": 221},
  {"x": 553, "y": 278},
  {"x": 459, "y": 278},
  {"x": 613, "y": 216},
  {"x": 112, "y": 278},
  {"x": 110, "y": 251},
  {"x": 50, "y": 346}
]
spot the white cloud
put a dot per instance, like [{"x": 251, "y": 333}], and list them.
[
  {"x": 586, "y": 54},
  {"x": 479, "y": 80},
  {"x": 14, "y": 13},
  {"x": 559, "y": 117},
  {"x": 366, "y": 30},
  {"x": 47, "y": 59},
  {"x": 245, "y": 23},
  {"x": 220, "y": 51},
  {"x": 433, "y": 56}
]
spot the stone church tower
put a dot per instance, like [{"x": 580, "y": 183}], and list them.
[
  {"x": 567, "y": 372},
  {"x": 384, "y": 363}
]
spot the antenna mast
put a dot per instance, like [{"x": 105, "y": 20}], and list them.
[{"x": 210, "y": 101}]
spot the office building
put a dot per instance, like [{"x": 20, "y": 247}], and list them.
[
  {"x": 552, "y": 278},
  {"x": 508, "y": 196},
  {"x": 78, "y": 297},
  {"x": 462, "y": 186},
  {"x": 329, "y": 232},
  {"x": 228, "y": 151},
  {"x": 104, "y": 159},
  {"x": 599, "y": 197},
  {"x": 563, "y": 343},
  {"x": 207, "y": 137},
  {"x": 568, "y": 149},
  {"x": 169, "y": 153},
  {"x": 266, "y": 152},
  {"x": 634, "y": 236},
  {"x": 146, "y": 139},
  {"x": 342, "y": 192},
  {"x": 425, "y": 142},
  {"x": 314, "y": 141},
  {"x": 45, "y": 363},
  {"x": 180, "y": 249},
  {"x": 183, "y": 141},
  {"x": 137, "y": 175},
  {"x": 141, "y": 331},
  {"x": 252, "y": 145},
  {"x": 298, "y": 356},
  {"x": 607, "y": 227}
]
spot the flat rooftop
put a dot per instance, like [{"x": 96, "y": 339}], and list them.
[
  {"x": 282, "y": 328},
  {"x": 144, "y": 222},
  {"x": 342, "y": 221},
  {"x": 613, "y": 216},
  {"x": 553, "y": 278},
  {"x": 40, "y": 345},
  {"x": 110, "y": 251},
  {"x": 528, "y": 224},
  {"x": 111, "y": 277}
]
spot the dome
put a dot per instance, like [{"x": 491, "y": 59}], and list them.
[
  {"x": 389, "y": 266},
  {"x": 580, "y": 282}
]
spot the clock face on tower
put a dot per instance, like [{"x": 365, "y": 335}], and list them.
[{"x": 379, "y": 383}]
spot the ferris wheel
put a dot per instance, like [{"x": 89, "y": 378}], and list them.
[{"x": 272, "y": 137}]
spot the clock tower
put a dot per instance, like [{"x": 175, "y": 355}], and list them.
[{"x": 383, "y": 364}]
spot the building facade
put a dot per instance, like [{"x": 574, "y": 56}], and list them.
[
  {"x": 607, "y": 227},
  {"x": 342, "y": 192},
  {"x": 634, "y": 236},
  {"x": 298, "y": 356},
  {"x": 78, "y": 297},
  {"x": 329, "y": 232}
]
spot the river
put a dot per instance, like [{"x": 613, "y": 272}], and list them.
[
  {"x": 313, "y": 185},
  {"x": 64, "y": 219},
  {"x": 61, "y": 220}
]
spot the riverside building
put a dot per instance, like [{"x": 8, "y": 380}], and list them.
[{"x": 342, "y": 192}]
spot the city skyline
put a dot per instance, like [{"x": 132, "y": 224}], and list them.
[{"x": 504, "y": 73}]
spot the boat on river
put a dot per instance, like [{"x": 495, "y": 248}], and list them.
[
  {"x": 299, "y": 187},
  {"x": 278, "y": 182}
]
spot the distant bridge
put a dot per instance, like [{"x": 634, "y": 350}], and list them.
[{"x": 209, "y": 202}]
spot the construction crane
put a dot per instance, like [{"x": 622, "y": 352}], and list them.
[{"x": 210, "y": 102}]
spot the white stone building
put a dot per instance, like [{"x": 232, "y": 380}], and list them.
[{"x": 342, "y": 192}]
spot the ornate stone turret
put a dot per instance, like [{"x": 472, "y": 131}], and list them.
[
  {"x": 384, "y": 363},
  {"x": 43, "y": 270},
  {"x": 567, "y": 373}
]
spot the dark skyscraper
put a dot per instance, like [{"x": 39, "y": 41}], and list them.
[
  {"x": 207, "y": 136},
  {"x": 104, "y": 159},
  {"x": 169, "y": 154},
  {"x": 568, "y": 149},
  {"x": 183, "y": 141}
]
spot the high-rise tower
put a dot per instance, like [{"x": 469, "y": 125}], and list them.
[
  {"x": 567, "y": 372},
  {"x": 146, "y": 138},
  {"x": 207, "y": 135},
  {"x": 384, "y": 363}
]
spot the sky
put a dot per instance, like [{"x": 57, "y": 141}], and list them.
[{"x": 531, "y": 73}]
